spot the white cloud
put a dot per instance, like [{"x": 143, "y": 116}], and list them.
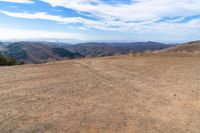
[
  {"x": 9, "y": 34},
  {"x": 64, "y": 20},
  {"x": 45, "y": 16},
  {"x": 138, "y": 10},
  {"x": 112, "y": 25},
  {"x": 142, "y": 16},
  {"x": 176, "y": 20},
  {"x": 17, "y": 1}
]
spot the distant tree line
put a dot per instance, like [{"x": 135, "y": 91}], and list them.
[{"x": 7, "y": 60}]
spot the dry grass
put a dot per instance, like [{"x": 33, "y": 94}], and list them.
[{"x": 122, "y": 94}]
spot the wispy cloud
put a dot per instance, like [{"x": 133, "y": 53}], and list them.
[
  {"x": 139, "y": 15},
  {"x": 64, "y": 20},
  {"x": 138, "y": 10},
  {"x": 143, "y": 26},
  {"x": 45, "y": 16},
  {"x": 18, "y": 1}
]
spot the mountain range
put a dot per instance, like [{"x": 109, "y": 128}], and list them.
[{"x": 40, "y": 52}]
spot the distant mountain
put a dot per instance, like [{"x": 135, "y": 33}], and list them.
[
  {"x": 93, "y": 49},
  {"x": 39, "y": 52},
  {"x": 61, "y": 52},
  {"x": 2, "y": 45}
]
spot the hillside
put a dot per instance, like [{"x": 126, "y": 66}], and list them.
[
  {"x": 120, "y": 94},
  {"x": 37, "y": 52},
  {"x": 186, "y": 48}
]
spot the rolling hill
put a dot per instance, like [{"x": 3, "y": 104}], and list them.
[{"x": 186, "y": 48}]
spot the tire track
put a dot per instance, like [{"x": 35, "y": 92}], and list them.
[{"x": 97, "y": 73}]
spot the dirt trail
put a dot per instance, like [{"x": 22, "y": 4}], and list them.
[{"x": 122, "y": 94}]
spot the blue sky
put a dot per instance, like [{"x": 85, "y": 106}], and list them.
[{"x": 100, "y": 20}]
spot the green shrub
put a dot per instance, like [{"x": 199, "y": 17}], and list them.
[{"x": 7, "y": 61}]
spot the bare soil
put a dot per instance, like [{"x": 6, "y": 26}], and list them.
[{"x": 122, "y": 94}]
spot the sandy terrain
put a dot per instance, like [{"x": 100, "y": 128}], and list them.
[{"x": 125, "y": 94}]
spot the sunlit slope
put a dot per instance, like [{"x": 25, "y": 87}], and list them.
[{"x": 186, "y": 48}]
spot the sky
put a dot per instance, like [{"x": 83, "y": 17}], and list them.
[{"x": 100, "y": 20}]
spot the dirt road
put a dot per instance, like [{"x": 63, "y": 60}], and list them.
[{"x": 124, "y": 94}]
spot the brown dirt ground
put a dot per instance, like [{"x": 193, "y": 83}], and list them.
[{"x": 122, "y": 94}]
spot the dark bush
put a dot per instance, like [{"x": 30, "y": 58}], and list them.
[{"x": 7, "y": 61}]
